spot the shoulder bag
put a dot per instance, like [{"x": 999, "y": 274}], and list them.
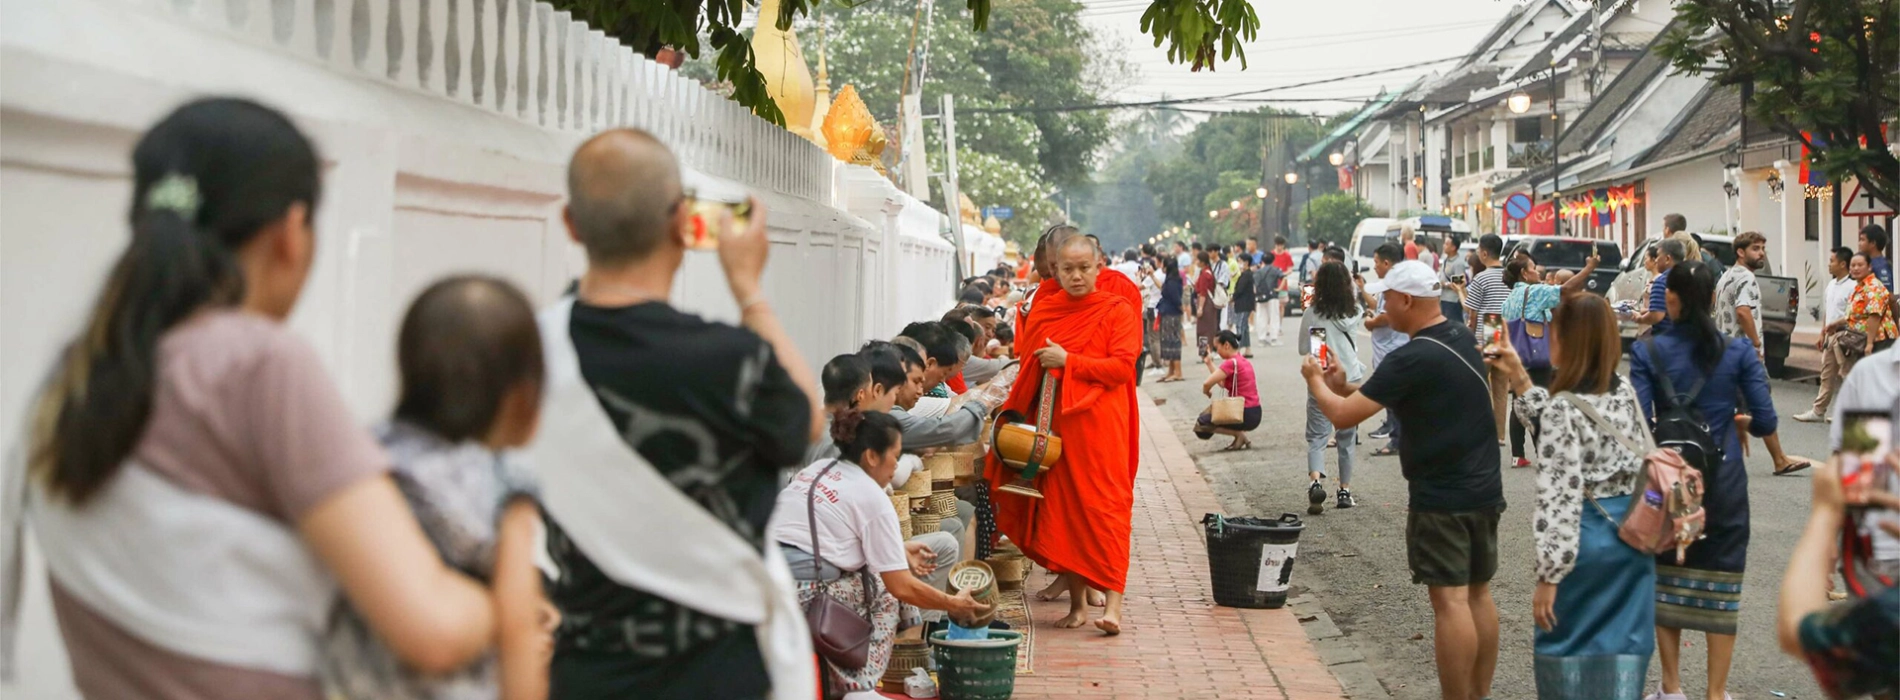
[
  {"x": 1667, "y": 512},
  {"x": 841, "y": 635},
  {"x": 1231, "y": 410}
]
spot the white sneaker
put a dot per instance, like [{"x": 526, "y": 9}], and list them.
[
  {"x": 1660, "y": 695},
  {"x": 1810, "y": 417}
]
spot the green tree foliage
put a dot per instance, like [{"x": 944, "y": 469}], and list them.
[
  {"x": 1823, "y": 73},
  {"x": 868, "y": 47},
  {"x": 1120, "y": 206},
  {"x": 1230, "y": 143},
  {"x": 1331, "y": 217},
  {"x": 1197, "y": 32}
]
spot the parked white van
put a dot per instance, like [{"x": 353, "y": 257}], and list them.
[{"x": 1430, "y": 233}]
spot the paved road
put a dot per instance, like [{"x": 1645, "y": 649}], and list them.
[{"x": 1353, "y": 561}]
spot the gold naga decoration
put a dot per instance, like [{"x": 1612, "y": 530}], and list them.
[{"x": 852, "y": 134}]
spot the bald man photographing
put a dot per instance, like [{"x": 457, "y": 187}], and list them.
[{"x": 664, "y": 435}]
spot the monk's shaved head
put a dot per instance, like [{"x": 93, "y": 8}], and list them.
[{"x": 623, "y": 188}]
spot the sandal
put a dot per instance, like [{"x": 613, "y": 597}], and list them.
[
  {"x": 1384, "y": 452},
  {"x": 1793, "y": 466}
]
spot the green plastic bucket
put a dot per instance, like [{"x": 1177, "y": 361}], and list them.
[{"x": 976, "y": 669}]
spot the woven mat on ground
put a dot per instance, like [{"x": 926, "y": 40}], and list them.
[{"x": 1013, "y": 608}]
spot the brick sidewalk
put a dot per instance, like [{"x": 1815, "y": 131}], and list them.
[{"x": 1175, "y": 642}]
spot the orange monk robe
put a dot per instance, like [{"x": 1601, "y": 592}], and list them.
[
  {"x": 1082, "y": 524},
  {"x": 1116, "y": 283}
]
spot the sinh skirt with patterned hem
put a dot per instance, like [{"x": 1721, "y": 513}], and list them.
[
  {"x": 1698, "y": 599},
  {"x": 884, "y": 612},
  {"x": 1604, "y": 636}
]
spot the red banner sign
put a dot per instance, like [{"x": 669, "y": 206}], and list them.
[{"x": 1541, "y": 222}]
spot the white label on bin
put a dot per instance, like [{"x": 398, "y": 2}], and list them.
[{"x": 1276, "y": 566}]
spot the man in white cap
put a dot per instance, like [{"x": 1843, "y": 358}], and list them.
[{"x": 1448, "y": 452}]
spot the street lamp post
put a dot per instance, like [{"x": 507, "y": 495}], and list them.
[{"x": 1519, "y": 103}]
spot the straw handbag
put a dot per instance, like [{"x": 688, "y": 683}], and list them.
[{"x": 1231, "y": 410}]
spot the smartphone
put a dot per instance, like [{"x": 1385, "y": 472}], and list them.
[
  {"x": 1492, "y": 330},
  {"x": 1867, "y": 458},
  {"x": 1457, "y": 279},
  {"x": 1866, "y": 445},
  {"x": 705, "y": 217},
  {"x": 1316, "y": 346},
  {"x": 1306, "y": 299}
]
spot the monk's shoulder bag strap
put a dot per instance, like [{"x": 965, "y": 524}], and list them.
[{"x": 841, "y": 635}]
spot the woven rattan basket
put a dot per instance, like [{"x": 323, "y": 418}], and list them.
[
  {"x": 905, "y": 655},
  {"x": 942, "y": 466},
  {"x": 919, "y": 484},
  {"x": 944, "y": 504},
  {"x": 924, "y": 522}
]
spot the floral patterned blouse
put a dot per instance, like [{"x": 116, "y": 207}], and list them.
[
  {"x": 1577, "y": 461},
  {"x": 1867, "y": 310}
]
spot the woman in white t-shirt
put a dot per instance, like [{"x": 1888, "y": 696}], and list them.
[{"x": 857, "y": 536}]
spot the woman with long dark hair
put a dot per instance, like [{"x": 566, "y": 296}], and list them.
[
  {"x": 1710, "y": 371},
  {"x": 199, "y": 487},
  {"x": 1336, "y": 311},
  {"x": 1591, "y": 642},
  {"x": 1206, "y": 312},
  {"x": 1168, "y": 310},
  {"x": 860, "y": 557}
]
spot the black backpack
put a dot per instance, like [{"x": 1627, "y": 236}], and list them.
[{"x": 1679, "y": 425}]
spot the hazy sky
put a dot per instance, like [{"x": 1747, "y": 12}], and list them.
[{"x": 1306, "y": 40}]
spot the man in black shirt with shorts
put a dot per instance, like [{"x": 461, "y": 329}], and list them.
[{"x": 1448, "y": 450}]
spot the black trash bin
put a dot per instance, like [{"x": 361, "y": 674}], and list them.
[{"x": 1251, "y": 559}]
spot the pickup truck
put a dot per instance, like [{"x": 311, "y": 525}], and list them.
[{"x": 1780, "y": 300}]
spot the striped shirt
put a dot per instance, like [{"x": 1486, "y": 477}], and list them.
[{"x": 1487, "y": 292}]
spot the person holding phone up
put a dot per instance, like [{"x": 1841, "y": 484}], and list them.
[
  {"x": 1331, "y": 321},
  {"x": 1589, "y": 462}
]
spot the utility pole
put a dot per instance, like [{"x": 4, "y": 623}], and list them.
[{"x": 951, "y": 198}]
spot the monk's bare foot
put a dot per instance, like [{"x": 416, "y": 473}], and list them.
[
  {"x": 1055, "y": 590},
  {"x": 1097, "y": 599},
  {"x": 1109, "y": 625},
  {"x": 1073, "y": 620}
]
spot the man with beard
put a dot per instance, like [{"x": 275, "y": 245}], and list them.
[{"x": 1738, "y": 315}]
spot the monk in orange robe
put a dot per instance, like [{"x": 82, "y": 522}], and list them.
[{"x": 1086, "y": 333}]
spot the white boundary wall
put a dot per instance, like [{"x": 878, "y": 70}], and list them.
[{"x": 445, "y": 127}]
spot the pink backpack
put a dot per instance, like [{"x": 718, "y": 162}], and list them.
[{"x": 1666, "y": 513}]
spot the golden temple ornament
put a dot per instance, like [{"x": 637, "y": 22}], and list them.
[{"x": 852, "y": 134}]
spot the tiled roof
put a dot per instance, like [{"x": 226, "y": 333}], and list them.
[
  {"x": 1717, "y": 113},
  {"x": 1603, "y": 110}
]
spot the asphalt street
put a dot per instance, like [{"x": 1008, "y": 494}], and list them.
[{"x": 1353, "y": 561}]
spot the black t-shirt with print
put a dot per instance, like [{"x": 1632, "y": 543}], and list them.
[
  {"x": 1448, "y": 440},
  {"x": 709, "y": 406}
]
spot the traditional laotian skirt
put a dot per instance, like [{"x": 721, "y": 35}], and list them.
[
  {"x": 1170, "y": 337},
  {"x": 1605, "y": 634},
  {"x": 1698, "y": 599},
  {"x": 849, "y": 590}
]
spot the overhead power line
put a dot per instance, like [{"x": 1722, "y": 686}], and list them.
[{"x": 1208, "y": 98}]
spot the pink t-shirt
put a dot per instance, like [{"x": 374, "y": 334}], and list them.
[
  {"x": 243, "y": 411},
  {"x": 1240, "y": 379}
]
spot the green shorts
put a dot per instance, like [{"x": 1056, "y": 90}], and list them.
[{"x": 1456, "y": 548}]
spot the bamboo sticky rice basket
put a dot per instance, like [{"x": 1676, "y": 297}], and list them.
[
  {"x": 944, "y": 504},
  {"x": 919, "y": 484},
  {"x": 906, "y": 654},
  {"x": 942, "y": 466},
  {"x": 924, "y": 522}
]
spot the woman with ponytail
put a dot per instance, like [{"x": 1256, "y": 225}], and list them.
[
  {"x": 199, "y": 488},
  {"x": 857, "y": 535}
]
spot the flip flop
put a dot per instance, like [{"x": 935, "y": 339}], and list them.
[
  {"x": 1793, "y": 467},
  {"x": 1384, "y": 452}
]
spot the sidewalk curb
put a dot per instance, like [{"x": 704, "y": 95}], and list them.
[{"x": 1345, "y": 674}]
